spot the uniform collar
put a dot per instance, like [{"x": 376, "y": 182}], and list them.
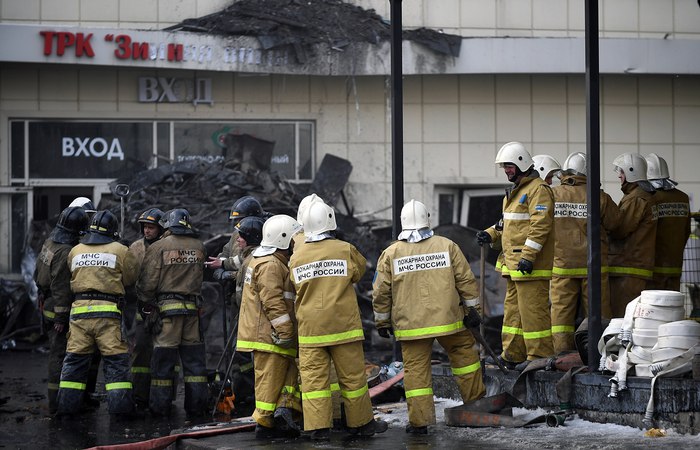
[
  {"x": 413, "y": 236},
  {"x": 573, "y": 180},
  {"x": 317, "y": 237},
  {"x": 263, "y": 251}
]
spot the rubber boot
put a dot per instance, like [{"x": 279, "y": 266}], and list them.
[
  {"x": 118, "y": 384},
  {"x": 72, "y": 387}
]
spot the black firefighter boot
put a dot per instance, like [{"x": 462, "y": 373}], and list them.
[
  {"x": 72, "y": 387},
  {"x": 118, "y": 384}
]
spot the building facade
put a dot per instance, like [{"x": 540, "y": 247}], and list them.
[{"x": 83, "y": 101}]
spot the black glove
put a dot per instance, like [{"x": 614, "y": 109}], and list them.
[
  {"x": 524, "y": 266},
  {"x": 222, "y": 274},
  {"x": 472, "y": 319},
  {"x": 282, "y": 342},
  {"x": 385, "y": 332},
  {"x": 482, "y": 238},
  {"x": 154, "y": 323}
]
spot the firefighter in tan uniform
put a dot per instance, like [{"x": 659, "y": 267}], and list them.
[
  {"x": 142, "y": 351},
  {"x": 101, "y": 268},
  {"x": 323, "y": 271},
  {"x": 527, "y": 241},
  {"x": 336, "y": 398},
  {"x": 632, "y": 243},
  {"x": 424, "y": 290},
  {"x": 672, "y": 225},
  {"x": 267, "y": 327},
  {"x": 171, "y": 275},
  {"x": 227, "y": 264},
  {"x": 249, "y": 232},
  {"x": 52, "y": 276},
  {"x": 570, "y": 272}
]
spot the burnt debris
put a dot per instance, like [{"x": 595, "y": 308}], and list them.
[{"x": 301, "y": 25}]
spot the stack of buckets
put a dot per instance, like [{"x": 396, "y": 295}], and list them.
[{"x": 654, "y": 310}]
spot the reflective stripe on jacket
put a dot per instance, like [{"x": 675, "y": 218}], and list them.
[
  {"x": 267, "y": 305},
  {"x": 571, "y": 222},
  {"x": 323, "y": 274},
  {"x": 419, "y": 288},
  {"x": 528, "y": 229}
]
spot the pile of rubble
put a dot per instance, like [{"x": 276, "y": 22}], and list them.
[{"x": 206, "y": 189}]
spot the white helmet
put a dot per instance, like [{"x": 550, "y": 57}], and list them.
[
  {"x": 304, "y": 205},
  {"x": 414, "y": 216},
  {"x": 575, "y": 164},
  {"x": 278, "y": 231},
  {"x": 657, "y": 169},
  {"x": 633, "y": 165},
  {"x": 84, "y": 203},
  {"x": 318, "y": 218},
  {"x": 514, "y": 153},
  {"x": 545, "y": 164}
]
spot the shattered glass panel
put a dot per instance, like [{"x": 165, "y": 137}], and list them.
[{"x": 258, "y": 145}]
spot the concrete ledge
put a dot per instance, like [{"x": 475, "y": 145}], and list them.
[{"x": 676, "y": 405}]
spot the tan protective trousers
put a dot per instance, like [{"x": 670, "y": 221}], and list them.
[
  {"x": 665, "y": 283},
  {"x": 622, "y": 291},
  {"x": 565, "y": 294},
  {"x": 418, "y": 377},
  {"x": 527, "y": 326},
  {"x": 314, "y": 367},
  {"x": 276, "y": 386}
]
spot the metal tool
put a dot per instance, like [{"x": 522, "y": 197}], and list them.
[
  {"x": 121, "y": 191},
  {"x": 480, "y": 339},
  {"x": 482, "y": 284},
  {"x": 228, "y": 371}
]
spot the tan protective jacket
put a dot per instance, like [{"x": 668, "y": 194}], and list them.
[
  {"x": 232, "y": 253},
  {"x": 138, "y": 250},
  {"x": 52, "y": 276},
  {"x": 672, "y": 231},
  {"x": 105, "y": 268},
  {"x": 632, "y": 243},
  {"x": 173, "y": 267},
  {"x": 246, "y": 258},
  {"x": 421, "y": 289},
  {"x": 268, "y": 304},
  {"x": 323, "y": 274},
  {"x": 571, "y": 222},
  {"x": 102, "y": 268},
  {"x": 528, "y": 229}
]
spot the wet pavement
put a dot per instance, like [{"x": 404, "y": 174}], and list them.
[{"x": 25, "y": 424}]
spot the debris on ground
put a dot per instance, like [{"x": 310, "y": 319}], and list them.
[{"x": 301, "y": 25}]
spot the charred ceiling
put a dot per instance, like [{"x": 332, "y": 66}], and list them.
[{"x": 302, "y": 25}]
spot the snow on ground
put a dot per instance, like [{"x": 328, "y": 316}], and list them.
[{"x": 575, "y": 433}]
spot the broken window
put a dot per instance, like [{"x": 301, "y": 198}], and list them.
[{"x": 290, "y": 143}]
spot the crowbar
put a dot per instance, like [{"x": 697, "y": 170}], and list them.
[{"x": 480, "y": 339}]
